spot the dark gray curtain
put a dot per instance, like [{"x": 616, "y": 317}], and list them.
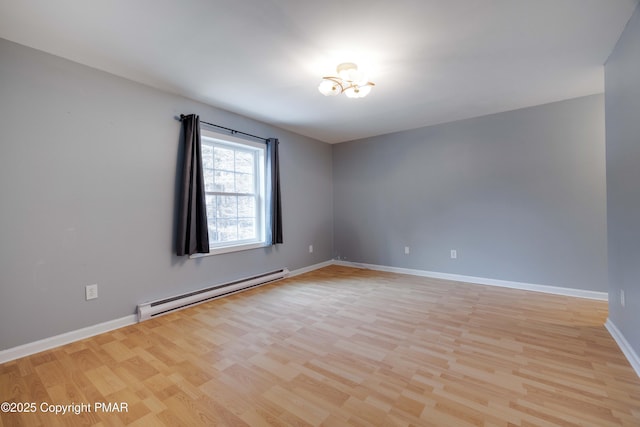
[
  {"x": 193, "y": 236},
  {"x": 274, "y": 205}
]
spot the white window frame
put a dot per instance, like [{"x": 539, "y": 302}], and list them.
[{"x": 213, "y": 138}]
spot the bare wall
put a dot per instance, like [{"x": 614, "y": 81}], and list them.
[
  {"x": 520, "y": 195},
  {"x": 622, "y": 86},
  {"x": 88, "y": 167}
]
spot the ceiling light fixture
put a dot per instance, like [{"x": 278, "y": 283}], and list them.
[{"x": 349, "y": 81}]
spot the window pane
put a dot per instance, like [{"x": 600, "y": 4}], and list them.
[
  {"x": 246, "y": 207},
  {"x": 246, "y": 229},
  {"x": 227, "y": 207},
  {"x": 208, "y": 180},
  {"x": 207, "y": 156},
  {"x": 223, "y": 158},
  {"x": 244, "y": 161},
  {"x": 224, "y": 182},
  {"x": 211, "y": 217},
  {"x": 244, "y": 183},
  {"x": 213, "y": 234},
  {"x": 211, "y": 206},
  {"x": 227, "y": 230}
]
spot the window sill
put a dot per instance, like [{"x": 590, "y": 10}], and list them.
[{"x": 229, "y": 249}]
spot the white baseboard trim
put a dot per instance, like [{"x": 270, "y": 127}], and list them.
[
  {"x": 580, "y": 293},
  {"x": 624, "y": 345},
  {"x": 309, "y": 268},
  {"x": 66, "y": 338}
]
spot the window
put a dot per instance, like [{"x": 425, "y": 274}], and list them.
[{"x": 234, "y": 178}]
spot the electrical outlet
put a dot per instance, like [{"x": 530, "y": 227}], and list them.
[
  {"x": 91, "y": 292},
  {"x": 622, "y": 297},
  {"x": 454, "y": 254},
  {"x": 407, "y": 250},
  {"x": 310, "y": 249}
]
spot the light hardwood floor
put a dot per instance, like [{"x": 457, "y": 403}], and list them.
[{"x": 345, "y": 347}]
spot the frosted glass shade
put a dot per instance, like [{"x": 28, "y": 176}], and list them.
[
  {"x": 328, "y": 88},
  {"x": 357, "y": 91}
]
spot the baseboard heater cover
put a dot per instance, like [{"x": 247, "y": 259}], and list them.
[{"x": 153, "y": 309}]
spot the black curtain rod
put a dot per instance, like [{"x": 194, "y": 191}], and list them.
[{"x": 233, "y": 131}]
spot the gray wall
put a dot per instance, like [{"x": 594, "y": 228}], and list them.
[
  {"x": 622, "y": 88},
  {"x": 88, "y": 166},
  {"x": 520, "y": 195}
]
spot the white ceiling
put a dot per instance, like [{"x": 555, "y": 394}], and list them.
[{"x": 433, "y": 61}]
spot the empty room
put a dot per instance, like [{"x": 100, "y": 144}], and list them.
[{"x": 339, "y": 213}]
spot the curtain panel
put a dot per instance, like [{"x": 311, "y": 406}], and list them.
[
  {"x": 274, "y": 203},
  {"x": 193, "y": 235}
]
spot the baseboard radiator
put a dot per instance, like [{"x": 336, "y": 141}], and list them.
[{"x": 149, "y": 310}]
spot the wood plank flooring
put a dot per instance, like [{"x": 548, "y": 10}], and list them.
[{"x": 343, "y": 347}]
